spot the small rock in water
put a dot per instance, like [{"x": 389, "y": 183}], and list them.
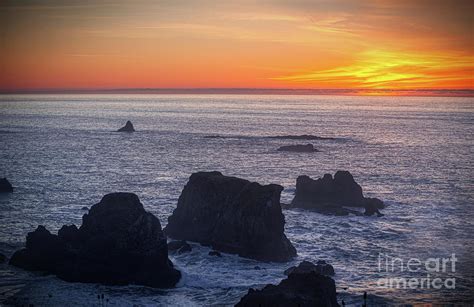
[
  {"x": 305, "y": 289},
  {"x": 215, "y": 253},
  {"x": 5, "y": 186},
  {"x": 179, "y": 246},
  {"x": 127, "y": 128},
  {"x": 84, "y": 208},
  {"x": 321, "y": 267},
  {"x": 298, "y": 148}
]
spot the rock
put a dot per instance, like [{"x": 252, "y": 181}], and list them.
[
  {"x": 298, "y": 148},
  {"x": 305, "y": 289},
  {"x": 179, "y": 246},
  {"x": 321, "y": 267},
  {"x": 232, "y": 215},
  {"x": 5, "y": 186},
  {"x": 85, "y": 208},
  {"x": 118, "y": 243},
  {"x": 215, "y": 253},
  {"x": 3, "y": 258},
  {"x": 127, "y": 128},
  {"x": 301, "y": 137},
  {"x": 327, "y": 194},
  {"x": 372, "y": 207}
]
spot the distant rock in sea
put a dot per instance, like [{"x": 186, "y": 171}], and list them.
[
  {"x": 298, "y": 148},
  {"x": 301, "y": 137},
  {"x": 330, "y": 194},
  {"x": 118, "y": 243},
  {"x": 321, "y": 267},
  {"x": 232, "y": 215},
  {"x": 5, "y": 186},
  {"x": 127, "y": 128},
  {"x": 299, "y": 289}
]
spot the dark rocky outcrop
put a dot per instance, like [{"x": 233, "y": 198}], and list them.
[
  {"x": 5, "y": 186},
  {"x": 127, "y": 128},
  {"x": 301, "y": 137},
  {"x": 3, "y": 258},
  {"x": 298, "y": 148},
  {"x": 118, "y": 243},
  {"x": 179, "y": 247},
  {"x": 232, "y": 215},
  {"x": 299, "y": 289},
  {"x": 321, "y": 267},
  {"x": 330, "y": 195}
]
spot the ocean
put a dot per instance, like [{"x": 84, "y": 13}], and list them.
[{"x": 61, "y": 153}]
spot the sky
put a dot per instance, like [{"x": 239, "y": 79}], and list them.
[{"x": 301, "y": 44}]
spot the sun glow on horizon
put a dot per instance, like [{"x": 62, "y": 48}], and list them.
[{"x": 322, "y": 44}]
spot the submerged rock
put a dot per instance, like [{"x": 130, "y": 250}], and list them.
[
  {"x": 331, "y": 194},
  {"x": 127, "y": 128},
  {"x": 299, "y": 289},
  {"x": 5, "y": 186},
  {"x": 301, "y": 137},
  {"x": 321, "y": 267},
  {"x": 118, "y": 243},
  {"x": 298, "y": 148},
  {"x": 214, "y": 253},
  {"x": 232, "y": 215},
  {"x": 179, "y": 246}
]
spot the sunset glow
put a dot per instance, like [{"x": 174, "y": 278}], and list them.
[{"x": 339, "y": 44}]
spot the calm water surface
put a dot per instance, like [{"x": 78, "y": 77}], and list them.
[{"x": 61, "y": 153}]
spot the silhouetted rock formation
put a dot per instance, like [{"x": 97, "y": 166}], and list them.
[
  {"x": 118, "y": 243},
  {"x": 127, "y": 128},
  {"x": 179, "y": 247},
  {"x": 372, "y": 208},
  {"x": 298, "y": 148},
  {"x": 232, "y": 215},
  {"x": 299, "y": 289},
  {"x": 329, "y": 195},
  {"x": 5, "y": 186},
  {"x": 301, "y": 137},
  {"x": 321, "y": 267}
]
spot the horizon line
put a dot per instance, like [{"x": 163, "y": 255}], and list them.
[{"x": 248, "y": 91}]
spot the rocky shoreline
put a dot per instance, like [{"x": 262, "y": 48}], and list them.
[{"x": 120, "y": 243}]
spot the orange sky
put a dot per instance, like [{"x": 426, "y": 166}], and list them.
[{"x": 330, "y": 44}]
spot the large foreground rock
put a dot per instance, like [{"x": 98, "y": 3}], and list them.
[
  {"x": 118, "y": 243},
  {"x": 5, "y": 186},
  {"x": 127, "y": 128},
  {"x": 232, "y": 215},
  {"x": 330, "y": 193},
  {"x": 299, "y": 289}
]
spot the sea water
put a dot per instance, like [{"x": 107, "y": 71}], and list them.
[{"x": 61, "y": 153}]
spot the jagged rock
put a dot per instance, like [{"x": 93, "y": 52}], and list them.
[
  {"x": 127, "y": 128},
  {"x": 298, "y": 148},
  {"x": 3, "y": 258},
  {"x": 5, "y": 186},
  {"x": 327, "y": 194},
  {"x": 321, "y": 267},
  {"x": 118, "y": 243},
  {"x": 232, "y": 215},
  {"x": 179, "y": 246},
  {"x": 305, "y": 289},
  {"x": 85, "y": 208},
  {"x": 215, "y": 253}
]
